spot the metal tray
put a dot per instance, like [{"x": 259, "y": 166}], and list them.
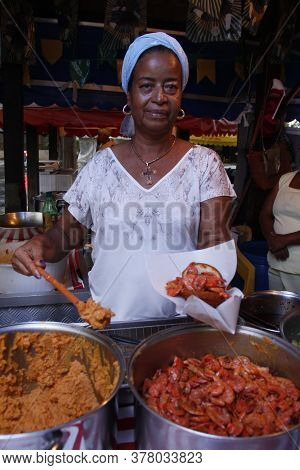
[
  {"x": 128, "y": 335},
  {"x": 53, "y": 307},
  {"x": 39, "y": 307}
]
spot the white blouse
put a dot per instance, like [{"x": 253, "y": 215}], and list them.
[
  {"x": 286, "y": 211},
  {"x": 128, "y": 220}
]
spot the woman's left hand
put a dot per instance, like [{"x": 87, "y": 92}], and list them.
[
  {"x": 282, "y": 255},
  {"x": 277, "y": 242}
]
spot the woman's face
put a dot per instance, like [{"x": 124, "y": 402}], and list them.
[{"x": 155, "y": 93}]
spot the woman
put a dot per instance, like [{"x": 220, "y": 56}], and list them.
[
  {"x": 280, "y": 223},
  {"x": 141, "y": 196}
]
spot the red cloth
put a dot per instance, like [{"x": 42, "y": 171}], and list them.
[
  {"x": 271, "y": 123},
  {"x": 81, "y": 122}
]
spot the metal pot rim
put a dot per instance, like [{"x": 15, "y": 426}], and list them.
[
  {"x": 21, "y": 220},
  {"x": 172, "y": 332},
  {"x": 279, "y": 293},
  {"x": 65, "y": 328},
  {"x": 283, "y": 321}
]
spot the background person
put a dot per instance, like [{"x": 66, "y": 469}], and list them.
[
  {"x": 155, "y": 193},
  {"x": 280, "y": 223}
]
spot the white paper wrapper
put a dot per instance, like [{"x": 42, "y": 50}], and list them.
[{"x": 165, "y": 267}]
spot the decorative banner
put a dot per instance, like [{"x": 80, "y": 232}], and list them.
[
  {"x": 201, "y": 27},
  {"x": 17, "y": 37},
  {"x": 119, "y": 69},
  {"x": 67, "y": 17},
  {"x": 124, "y": 21},
  {"x": 206, "y": 68},
  {"x": 288, "y": 32},
  {"x": 253, "y": 12},
  {"x": 224, "y": 140},
  {"x": 28, "y": 52},
  {"x": 106, "y": 55},
  {"x": 52, "y": 50},
  {"x": 240, "y": 70},
  {"x": 211, "y": 7},
  {"x": 79, "y": 70}
]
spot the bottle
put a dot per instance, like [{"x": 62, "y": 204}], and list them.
[{"x": 50, "y": 212}]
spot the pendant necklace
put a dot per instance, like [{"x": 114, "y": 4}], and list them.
[{"x": 147, "y": 173}]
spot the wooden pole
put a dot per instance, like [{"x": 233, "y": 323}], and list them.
[
  {"x": 32, "y": 164},
  {"x": 53, "y": 143},
  {"x": 15, "y": 193}
]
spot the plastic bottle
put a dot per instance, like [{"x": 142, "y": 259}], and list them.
[{"x": 50, "y": 212}]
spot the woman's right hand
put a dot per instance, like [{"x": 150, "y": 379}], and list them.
[{"x": 28, "y": 256}]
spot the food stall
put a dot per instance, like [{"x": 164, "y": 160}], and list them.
[
  {"x": 137, "y": 419},
  {"x": 215, "y": 376}
]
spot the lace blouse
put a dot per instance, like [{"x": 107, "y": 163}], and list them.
[{"x": 127, "y": 221}]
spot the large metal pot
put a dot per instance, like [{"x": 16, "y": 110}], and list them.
[
  {"x": 265, "y": 309},
  {"x": 14, "y": 220},
  {"x": 290, "y": 328},
  {"x": 12, "y": 282},
  {"x": 19, "y": 226},
  {"x": 90, "y": 431},
  {"x": 155, "y": 432}
]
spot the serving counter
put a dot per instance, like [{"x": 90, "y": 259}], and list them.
[{"x": 54, "y": 307}]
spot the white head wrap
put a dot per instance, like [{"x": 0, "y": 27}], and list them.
[{"x": 141, "y": 44}]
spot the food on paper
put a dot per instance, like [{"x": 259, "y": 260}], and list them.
[
  {"x": 223, "y": 396},
  {"x": 203, "y": 281}
]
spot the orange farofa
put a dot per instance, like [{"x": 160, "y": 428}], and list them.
[{"x": 51, "y": 378}]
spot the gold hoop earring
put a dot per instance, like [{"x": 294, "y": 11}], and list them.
[
  {"x": 126, "y": 110},
  {"x": 181, "y": 114}
]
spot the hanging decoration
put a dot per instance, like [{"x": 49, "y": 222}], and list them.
[
  {"x": 67, "y": 17},
  {"x": 253, "y": 13},
  {"x": 17, "y": 32},
  {"x": 119, "y": 69},
  {"x": 106, "y": 55},
  {"x": 203, "y": 27},
  {"x": 206, "y": 68},
  {"x": 287, "y": 28},
  {"x": 79, "y": 71},
  {"x": 239, "y": 68},
  {"x": 210, "y": 7},
  {"x": 52, "y": 50},
  {"x": 124, "y": 21}
]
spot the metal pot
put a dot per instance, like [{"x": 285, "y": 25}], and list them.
[
  {"x": 290, "y": 327},
  {"x": 14, "y": 220},
  {"x": 12, "y": 282},
  {"x": 19, "y": 226},
  {"x": 90, "y": 431},
  {"x": 265, "y": 309},
  {"x": 155, "y": 432}
]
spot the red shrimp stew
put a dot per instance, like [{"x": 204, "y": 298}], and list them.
[{"x": 223, "y": 396}]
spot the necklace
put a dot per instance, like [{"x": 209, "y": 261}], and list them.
[{"x": 147, "y": 173}]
